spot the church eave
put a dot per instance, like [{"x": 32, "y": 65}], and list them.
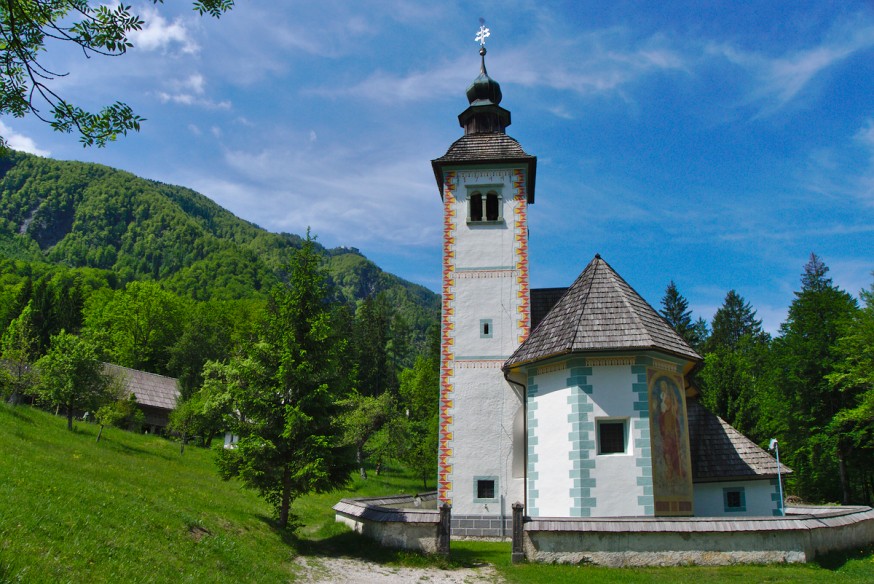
[
  {"x": 510, "y": 364},
  {"x": 438, "y": 164}
]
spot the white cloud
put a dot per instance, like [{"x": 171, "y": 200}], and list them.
[
  {"x": 594, "y": 62},
  {"x": 159, "y": 34},
  {"x": 777, "y": 81},
  {"x": 21, "y": 142},
  {"x": 374, "y": 199},
  {"x": 193, "y": 100}
]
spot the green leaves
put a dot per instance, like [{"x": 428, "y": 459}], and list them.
[
  {"x": 103, "y": 30},
  {"x": 72, "y": 376}
]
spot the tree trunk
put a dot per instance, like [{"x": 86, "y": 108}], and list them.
[
  {"x": 359, "y": 457},
  {"x": 842, "y": 472},
  {"x": 70, "y": 418},
  {"x": 285, "y": 501}
]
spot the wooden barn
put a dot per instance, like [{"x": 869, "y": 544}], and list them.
[{"x": 156, "y": 394}]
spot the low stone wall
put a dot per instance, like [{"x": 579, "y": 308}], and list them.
[
  {"x": 402, "y": 521},
  {"x": 800, "y": 536}
]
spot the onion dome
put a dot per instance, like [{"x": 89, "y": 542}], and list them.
[
  {"x": 484, "y": 115},
  {"x": 484, "y": 90}
]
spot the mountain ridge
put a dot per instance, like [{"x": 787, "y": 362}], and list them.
[{"x": 87, "y": 215}]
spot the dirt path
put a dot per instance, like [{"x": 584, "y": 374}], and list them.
[{"x": 348, "y": 571}]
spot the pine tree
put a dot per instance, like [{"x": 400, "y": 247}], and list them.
[
  {"x": 734, "y": 319},
  {"x": 806, "y": 402},
  {"x": 675, "y": 310},
  {"x": 284, "y": 392},
  {"x": 734, "y": 364}
]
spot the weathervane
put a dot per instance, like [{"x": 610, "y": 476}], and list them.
[{"x": 483, "y": 33}]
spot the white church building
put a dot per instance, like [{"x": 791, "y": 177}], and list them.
[{"x": 574, "y": 402}]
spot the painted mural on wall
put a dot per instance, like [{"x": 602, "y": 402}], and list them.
[{"x": 669, "y": 437}]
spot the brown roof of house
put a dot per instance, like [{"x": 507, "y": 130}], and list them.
[
  {"x": 150, "y": 389},
  {"x": 484, "y": 148},
  {"x": 719, "y": 452},
  {"x": 600, "y": 312}
]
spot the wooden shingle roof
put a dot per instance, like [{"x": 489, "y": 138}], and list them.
[
  {"x": 150, "y": 389},
  {"x": 600, "y": 312},
  {"x": 485, "y": 148},
  {"x": 542, "y": 301},
  {"x": 719, "y": 452}
]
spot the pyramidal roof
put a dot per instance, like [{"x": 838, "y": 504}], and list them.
[{"x": 600, "y": 312}]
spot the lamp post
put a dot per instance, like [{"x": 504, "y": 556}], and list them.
[{"x": 776, "y": 448}]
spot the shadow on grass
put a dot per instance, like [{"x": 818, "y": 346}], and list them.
[
  {"x": 15, "y": 412},
  {"x": 837, "y": 560},
  {"x": 349, "y": 544}
]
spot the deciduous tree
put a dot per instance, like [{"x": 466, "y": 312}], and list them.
[
  {"x": 18, "y": 348},
  {"x": 28, "y": 28},
  {"x": 71, "y": 376}
]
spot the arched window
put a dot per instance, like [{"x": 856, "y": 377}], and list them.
[
  {"x": 484, "y": 208},
  {"x": 476, "y": 207},
  {"x": 493, "y": 207}
]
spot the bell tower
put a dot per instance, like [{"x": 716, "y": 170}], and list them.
[{"x": 486, "y": 182}]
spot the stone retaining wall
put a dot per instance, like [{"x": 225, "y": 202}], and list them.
[
  {"x": 800, "y": 536},
  {"x": 402, "y": 521}
]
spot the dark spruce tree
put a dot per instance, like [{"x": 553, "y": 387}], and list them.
[
  {"x": 734, "y": 361},
  {"x": 802, "y": 399},
  {"x": 284, "y": 393},
  {"x": 675, "y": 310}
]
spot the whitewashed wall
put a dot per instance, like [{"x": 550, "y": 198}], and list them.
[
  {"x": 613, "y": 481},
  {"x": 486, "y": 274},
  {"x": 761, "y": 498}
]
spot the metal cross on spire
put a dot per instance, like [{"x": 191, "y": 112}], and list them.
[{"x": 483, "y": 33}]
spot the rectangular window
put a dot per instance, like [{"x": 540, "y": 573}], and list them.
[
  {"x": 734, "y": 499},
  {"x": 611, "y": 436},
  {"x": 485, "y": 489},
  {"x": 485, "y": 328}
]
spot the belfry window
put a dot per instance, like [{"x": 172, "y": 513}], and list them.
[
  {"x": 484, "y": 208},
  {"x": 476, "y": 207},
  {"x": 492, "y": 207}
]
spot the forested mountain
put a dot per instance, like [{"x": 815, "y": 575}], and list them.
[{"x": 79, "y": 215}]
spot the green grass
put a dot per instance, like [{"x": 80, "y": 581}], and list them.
[{"x": 132, "y": 509}]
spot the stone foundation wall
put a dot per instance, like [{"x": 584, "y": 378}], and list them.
[
  {"x": 482, "y": 526},
  {"x": 642, "y": 541},
  {"x": 402, "y": 522}
]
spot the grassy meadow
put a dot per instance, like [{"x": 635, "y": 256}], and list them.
[{"x": 133, "y": 509}]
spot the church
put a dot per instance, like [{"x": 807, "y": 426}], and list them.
[{"x": 575, "y": 402}]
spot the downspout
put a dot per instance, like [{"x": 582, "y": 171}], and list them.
[{"x": 524, "y": 436}]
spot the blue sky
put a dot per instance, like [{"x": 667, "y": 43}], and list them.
[{"x": 713, "y": 143}]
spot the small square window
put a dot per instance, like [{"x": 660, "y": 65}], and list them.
[
  {"x": 485, "y": 328},
  {"x": 485, "y": 489},
  {"x": 611, "y": 436},
  {"x": 734, "y": 500}
]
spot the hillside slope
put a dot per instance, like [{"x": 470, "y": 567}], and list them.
[{"x": 87, "y": 215}]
